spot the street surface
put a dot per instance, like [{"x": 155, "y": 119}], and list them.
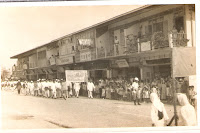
[{"x": 29, "y": 112}]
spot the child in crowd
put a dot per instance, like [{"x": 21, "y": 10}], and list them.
[
  {"x": 146, "y": 94},
  {"x": 192, "y": 94}
]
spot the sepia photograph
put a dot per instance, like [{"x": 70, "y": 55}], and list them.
[{"x": 98, "y": 66}]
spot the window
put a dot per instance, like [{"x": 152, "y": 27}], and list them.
[
  {"x": 158, "y": 27},
  {"x": 41, "y": 55},
  {"x": 73, "y": 49},
  {"x": 179, "y": 23},
  {"x": 150, "y": 29}
]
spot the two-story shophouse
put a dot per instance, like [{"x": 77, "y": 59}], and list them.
[{"x": 138, "y": 43}]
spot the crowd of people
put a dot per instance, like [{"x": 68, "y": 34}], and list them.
[
  {"x": 132, "y": 89},
  {"x": 54, "y": 88},
  {"x": 127, "y": 89}
]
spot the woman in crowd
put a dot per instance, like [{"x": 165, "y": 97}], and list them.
[
  {"x": 158, "y": 113},
  {"x": 191, "y": 94},
  {"x": 146, "y": 94},
  {"x": 163, "y": 90},
  {"x": 103, "y": 92},
  {"x": 112, "y": 91},
  {"x": 187, "y": 115},
  {"x": 108, "y": 92}
]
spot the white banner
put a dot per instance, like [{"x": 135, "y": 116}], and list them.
[{"x": 76, "y": 75}]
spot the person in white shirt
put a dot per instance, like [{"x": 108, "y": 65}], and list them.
[
  {"x": 90, "y": 88},
  {"x": 36, "y": 89},
  {"x": 135, "y": 87},
  {"x": 28, "y": 91},
  {"x": 32, "y": 88},
  {"x": 53, "y": 88},
  {"x": 58, "y": 88},
  {"x": 43, "y": 87},
  {"x": 69, "y": 88},
  {"x": 40, "y": 87},
  {"x": 77, "y": 87}
]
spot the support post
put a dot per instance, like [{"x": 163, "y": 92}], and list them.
[{"x": 174, "y": 90}]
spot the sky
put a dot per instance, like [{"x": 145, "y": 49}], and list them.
[{"x": 23, "y": 28}]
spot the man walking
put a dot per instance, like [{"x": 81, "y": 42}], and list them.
[
  {"x": 136, "y": 91},
  {"x": 19, "y": 86},
  {"x": 90, "y": 87},
  {"x": 77, "y": 87}
]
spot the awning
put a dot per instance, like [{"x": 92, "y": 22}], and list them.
[
  {"x": 184, "y": 62},
  {"x": 61, "y": 69}
]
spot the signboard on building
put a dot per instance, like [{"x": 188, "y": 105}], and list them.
[
  {"x": 85, "y": 56},
  {"x": 76, "y": 75},
  {"x": 52, "y": 60},
  {"x": 145, "y": 46},
  {"x": 64, "y": 60},
  {"x": 122, "y": 63},
  {"x": 87, "y": 42}
]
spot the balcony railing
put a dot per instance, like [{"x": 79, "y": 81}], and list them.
[
  {"x": 178, "y": 40},
  {"x": 158, "y": 40}
]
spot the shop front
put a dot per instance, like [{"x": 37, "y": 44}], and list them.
[
  {"x": 156, "y": 65},
  {"x": 41, "y": 73},
  {"x": 125, "y": 68},
  {"x": 31, "y": 74},
  {"x": 98, "y": 69}
]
